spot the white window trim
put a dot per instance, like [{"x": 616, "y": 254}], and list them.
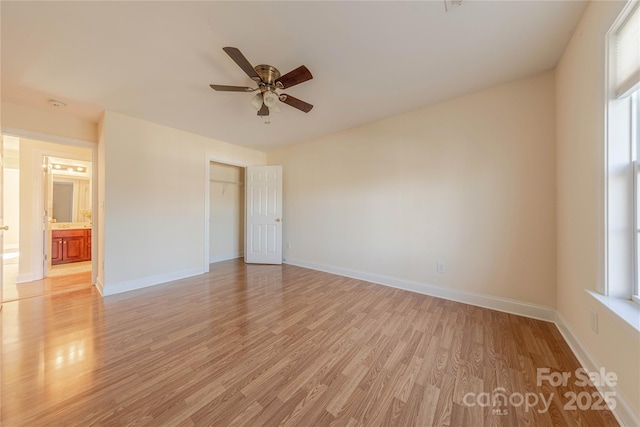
[
  {"x": 635, "y": 121},
  {"x": 624, "y": 304},
  {"x": 620, "y": 230}
]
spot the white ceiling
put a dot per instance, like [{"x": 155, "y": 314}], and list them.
[{"x": 155, "y": 59}]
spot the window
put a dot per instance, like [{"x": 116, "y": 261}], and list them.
[
  {"x": 635, "y": 149},
  {"x": 623, "y": 158}
]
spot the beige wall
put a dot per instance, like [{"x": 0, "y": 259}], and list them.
[
  {"x": 469, "y": 182},
  {"x": 154, "y": 198},
  {"x": 30, "y": 119},
  {"x": 580, "y": 87}
]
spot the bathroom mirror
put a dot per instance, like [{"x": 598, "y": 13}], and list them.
[
  {"x": 71, "y": 193},
  {"x": 71, "y": 200},
  {"x": 63, "y": 201}
]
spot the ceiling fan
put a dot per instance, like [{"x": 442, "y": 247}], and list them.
[{"x": 269, "y": 80}]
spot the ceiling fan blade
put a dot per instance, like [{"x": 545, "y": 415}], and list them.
[
  {"x": 292, "y": 78},
  {"x": 264, "y": 111},
  {"x": 296, "y": 103},
  {"x": 242, "y": 62},
  {"x": 224, "y": 88}
]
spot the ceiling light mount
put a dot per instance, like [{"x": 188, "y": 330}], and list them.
[
  {"x": 452, "y": 4},
  {"x": 57, "y": 104},
  {"x": 268, "y": 74}
]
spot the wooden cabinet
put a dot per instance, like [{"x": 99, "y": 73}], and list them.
[{"x": 70, "y": 246}]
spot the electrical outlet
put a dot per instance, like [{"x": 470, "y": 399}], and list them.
[
  {"x": 594, "y": 321},
  {"x": 440, "y": 267},
  {"x": 288, "y": 245}
]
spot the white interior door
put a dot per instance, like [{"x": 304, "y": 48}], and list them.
[
  {"x": 2, "y": 226},
  {"x": 263, "y": 231},
  {"x": 47, "y": 177}
]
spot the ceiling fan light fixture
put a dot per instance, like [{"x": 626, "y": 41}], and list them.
[
  {"x": 268, "y": 79},
  {"x": 256, "y": 102},
  {"x": 270, "y": 99}
]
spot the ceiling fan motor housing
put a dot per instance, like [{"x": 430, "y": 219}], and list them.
[{"x": 267, "y": 73}]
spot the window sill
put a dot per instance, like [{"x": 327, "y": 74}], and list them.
[{"x": 626, "y": 311}]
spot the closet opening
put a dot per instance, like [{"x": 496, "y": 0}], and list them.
[{"x": 226, "y": 212}]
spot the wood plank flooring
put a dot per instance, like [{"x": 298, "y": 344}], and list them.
[
  {"x": 64, "y": 278},
  {"x": 251, "y": 345}
]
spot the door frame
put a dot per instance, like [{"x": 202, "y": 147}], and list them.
[
  {"x": 38, "y": 248},
  {"x": 207, "y": 204}
]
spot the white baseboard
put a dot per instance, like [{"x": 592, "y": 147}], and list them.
[
  {"x": 487, "y": 301},
  {"x": 27, "y": 277},
  {"x": 226, "y": 257},
  {"x": 130, "y": 285},
  {"x": 10, "y": 261},
  {"x": 623, "y": 412},
  {"x": 99, "y": 285}
]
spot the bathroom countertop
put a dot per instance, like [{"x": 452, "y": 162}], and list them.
[{"x": 70, "y": 225}]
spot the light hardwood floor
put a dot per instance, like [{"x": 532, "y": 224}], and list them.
[
  {"x": 61, "y": 279},
  {"x": 259, "y": 345}
]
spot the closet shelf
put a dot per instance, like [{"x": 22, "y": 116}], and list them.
[{"x": 227, "y": 182}]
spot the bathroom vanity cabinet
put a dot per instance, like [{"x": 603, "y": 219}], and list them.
[{"x": 71, "y": 245}]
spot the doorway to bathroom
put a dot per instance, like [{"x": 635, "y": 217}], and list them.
[
  {"x": 68, "y": 205},
  {"x": 36, "y": 261}
]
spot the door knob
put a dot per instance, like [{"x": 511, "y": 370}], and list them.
[
  {"x": 5, "y": 228},
  {"x": 278, "y": 220}
]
